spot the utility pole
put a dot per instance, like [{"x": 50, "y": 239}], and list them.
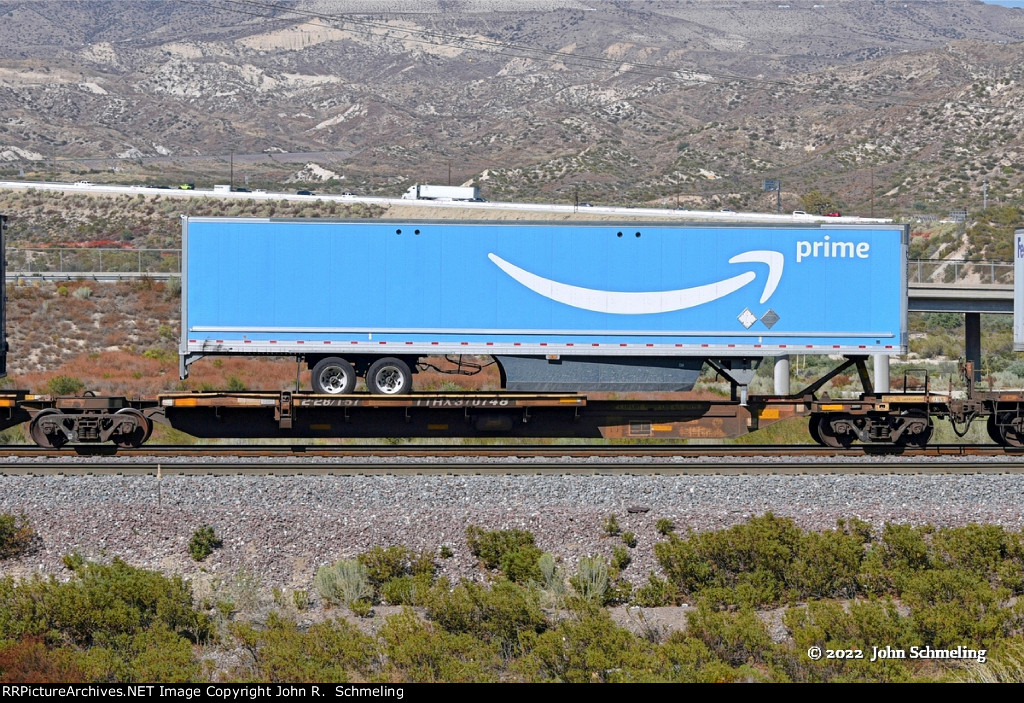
[
  {"x": 984, "y": 194},
  {"x": 232, "y": 181}
]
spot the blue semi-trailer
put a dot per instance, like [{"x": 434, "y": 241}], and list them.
[{"x": 560, "y": 306}]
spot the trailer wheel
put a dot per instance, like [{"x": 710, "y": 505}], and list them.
[
  {"x": 389, "y": 376},
  {"x": 333, "y": 375},
  {"x": 53, "y": 440},
  {"x": 140, "y": 432}
]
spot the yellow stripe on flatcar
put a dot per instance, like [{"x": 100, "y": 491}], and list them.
[
  {"x": 184, "y": 402},
  {"x": 832, "y": 407},
  {"x": 770, "y": 414}
]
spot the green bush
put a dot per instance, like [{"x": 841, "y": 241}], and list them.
[
  {"x": 751, "y": 560},
  {"x": 419, "y": 652},
  {"x": 501, "y": 614},
  {"x": 511, "y": 551},
  {"x": 406, "y": 590},
  {"x": 203, "y": 542},
  {"x": 334, "y": 651},
  {"x": 102, "y": 604},
  {"x": 657, "y": 592},
  {"x": 385, "y": 564},
  {"x": 65, "y": 385}
]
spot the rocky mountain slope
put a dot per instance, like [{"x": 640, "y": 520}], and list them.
[{"x": 904, "y": 106}]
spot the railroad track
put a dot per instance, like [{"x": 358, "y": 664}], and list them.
[
  {"x": 520, "y": 459},
  {"x": 442, "y": 451}
]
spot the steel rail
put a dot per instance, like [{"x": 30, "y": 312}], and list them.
[
  {"x": 444, "y": 468},
  {"x": 438, "y": 451}
]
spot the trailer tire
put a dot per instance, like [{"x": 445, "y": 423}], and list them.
[
  {"x": 389, "y": 376},
  {"x": 333, "y": 376}
]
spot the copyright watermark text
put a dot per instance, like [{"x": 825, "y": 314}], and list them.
[{"x": 877, "y": 653}]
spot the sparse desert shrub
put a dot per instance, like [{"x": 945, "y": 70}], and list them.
[
  {"x": 664, "y": 526},
  {"x": 16, "y": 535},
  {"x": 203, "y": 542},
  {"x": 611, "y": 526},
  {"x": 343, "y": 582},
  {"x": 591, "y": 578},
  {"x": 82, "y": 293},
  {"x": 172, "y": 289},
  {"x": 620, "y": 557}
]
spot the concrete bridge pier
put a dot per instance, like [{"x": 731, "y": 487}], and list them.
[{"x": 972, "y": 341}]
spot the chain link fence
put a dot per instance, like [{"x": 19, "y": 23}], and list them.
[
  {"x": 94, "y": 261},
  {"x": 956, "y": 271}
]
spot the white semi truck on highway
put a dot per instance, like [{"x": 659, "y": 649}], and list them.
[{"x": 429, "y": 192}]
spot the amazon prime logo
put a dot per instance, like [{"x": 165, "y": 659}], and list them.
[{"x": 650, "y": 302}]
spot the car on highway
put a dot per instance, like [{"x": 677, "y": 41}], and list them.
[
  {"x": 833, "y": 214},
  {"x": 304, "y": 192}
]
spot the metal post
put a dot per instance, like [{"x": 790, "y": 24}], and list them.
[
  {"x": 882, "y": 382},
  {"x": 782, "y": 375}
]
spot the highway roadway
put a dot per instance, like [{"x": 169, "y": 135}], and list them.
[{"x": 666, "y": 213}]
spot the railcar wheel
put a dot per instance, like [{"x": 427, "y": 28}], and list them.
[
  {"x": 334, "y": 376},
  {"x": 917, "y": 439},
  {"x": 137, "y": 435},
  {"x": 389, "y": 376},
  {"x": 993, "y": 429},
  {"x": 1012, "y": 437},
  {"x": 830, "y": 437},
  {"x": 812, "y": 428},
  {"x": 39, "y": 435}
]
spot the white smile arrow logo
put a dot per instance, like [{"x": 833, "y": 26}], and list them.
[{"x": 646, "y": 303}]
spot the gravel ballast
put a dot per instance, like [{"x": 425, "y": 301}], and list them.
[{"x": 280, "y": 529}]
